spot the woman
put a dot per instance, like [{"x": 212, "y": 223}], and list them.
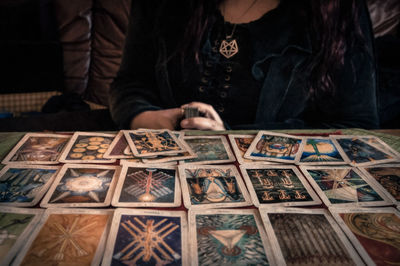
[{"x": 247, "y": 64}]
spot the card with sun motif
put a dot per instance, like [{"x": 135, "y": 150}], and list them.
[
  {"x": 276, "y": 147},
  {"x": 212, "y": 186},
  {"x": 87, "y": 147},
  {"x": 386, "y": 176},
  {"x": 374, "y": 232},
  {"x": 119, "y": 148},
  {"x": 228, "y": 237},
  {"x": 146, "y": 142},
  {"x": 283, "y": 185},
  {"x": 320, "y": 151},
  {"x": 15, "y": 226},
  {"x": 38, "y": 148},
  {"x": 240, "y": 144},
  {"x": 209, "y": 150},
  {"x": 23, "y": 185},
  {"x": 82, "y": 185},
  {"x": 147, "y": 186},
  {"x": 344, "y": 186},
  {"x": 307, "y": 237},
  {"x": 67, "y": 237},
  {"x": 147, "y": 237},
  {"x": 360, "y": 152}
]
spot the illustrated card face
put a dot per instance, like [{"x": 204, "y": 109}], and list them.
[
  {"x": 24, "y": 185},
  {"x": 145, "y": 143},
  {"x": 380, "y": 144},
  {"x": 272, "y": 185},
  {"x": 228, "y": 237},
  {"x": 320, "y": 151},
  {"x": 388, "y": 177},
  {"x": 85, "y": 147},
  {"x": 15, "y": 226},
  {"x": 344, "y": 186},
  {"x": 212, "y": 186},
  {"x": 67, "y": 237},
  {"x": 307, "y": 236},
  {"x": 37, "y": 148},
  {"x": 277, "y": 147},
  {"x": 147, "y": 237},
  {"x": 209, "y": 150},
  {"x": 361, "y": 153},
  {"x": 240, "y": 144},
  {"x": 146, "y": 186},
  {"x": 118, "y": 148},
  {"x": 78, "y": 185},
  {"x": 188, "y": 154},
  {"x": 373, "y": 232}
]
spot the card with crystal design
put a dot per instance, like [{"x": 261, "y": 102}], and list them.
[
  {"x": 320, "y": 151},
  {"x": 87, "y": 147},
  {"x": 271, "y": 185},
  {"x": 228, "y": 237},
  {"x": 212, "y": 186},
  {"x": 147, "y": 237},
  {"x": 373, "y": 231},
  {"x": 82, "y": 185},
  {"x": 307, "y": 236},
  {"x": 240, "y": 144},
  {"x": 146, "y": 142},
  {"x": 147, "y": 186},
  {"x": 38, "y": 148},
  {"x": 344, "y": 186},
  {"x": 209, "y": 150},
  {"x": 15, "y": 226},
  {"x": 276, "y": 147},
  {"x": 23, "y": 185},
  {"x": 67, "y": 237},
  {"x": 387, "y": 176},
  {"x": 360, "y": 152}
]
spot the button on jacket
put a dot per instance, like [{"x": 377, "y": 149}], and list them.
[{"x": 147, "y": 78}]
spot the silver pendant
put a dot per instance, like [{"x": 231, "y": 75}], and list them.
[{"x": 228, "y": 48}]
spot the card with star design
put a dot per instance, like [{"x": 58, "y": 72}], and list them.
[
  {"x": 82, "y": 185},
  {"x": 67, "y": 237}
]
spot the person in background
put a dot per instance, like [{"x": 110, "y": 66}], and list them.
[{"x": 247, "y": 64}]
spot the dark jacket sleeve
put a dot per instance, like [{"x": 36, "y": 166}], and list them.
[{"x": 134, "y": 90}]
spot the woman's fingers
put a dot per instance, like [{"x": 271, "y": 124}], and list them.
[
  {"x": 202, "y": 123},
  {"x": 206, "y": 109}
]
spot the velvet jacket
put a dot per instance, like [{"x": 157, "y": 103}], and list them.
[{"x": 145, "y": 79}]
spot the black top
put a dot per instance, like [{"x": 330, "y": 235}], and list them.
[{"x": 265, "y": 85}]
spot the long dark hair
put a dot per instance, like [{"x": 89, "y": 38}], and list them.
[{"x": 334, "y": 28}]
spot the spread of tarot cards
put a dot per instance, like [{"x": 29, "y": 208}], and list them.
[{"x": 161, "y": 197}]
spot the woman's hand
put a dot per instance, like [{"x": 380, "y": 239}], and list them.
[
  {"x": 162, "y": 119},
  {"x": 211, "y": 121}
]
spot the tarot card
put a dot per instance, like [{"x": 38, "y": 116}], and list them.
[
  {"x": 67, "y": 237},
  {"x": 209, "y": 150},
  {"x": 228, "y": 237},
  {"x": 374, "y": 232},
  {"x": 145, "y": 143},
  {"x": 240, "y": 144},
  {"x": 189, "y": 154},
  {"x": 147, "y": 237},
  {"x": 276, "y": 147},
  {"x": 87, "y": 147},
  {"x": 361, "y": 153},
  {"x": 82, "y": 185},
  {"x": 15, "y": 226},
  {"x": 24, "y": 185},
  {"x": 37, "y": 148},
  {"x": 344, "y": 186},
  {"x": 146, "y": 186},
  {"x": 212, "y": 186},
  {"x": 380, "y": 144},
  {"x": 118, "y": 148},
  {"x": 271, "y": 185},
  {"x": 307, "y": 237},
  {"x": 320, "y": 151},
  {"x": 387, "y": 177}
]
